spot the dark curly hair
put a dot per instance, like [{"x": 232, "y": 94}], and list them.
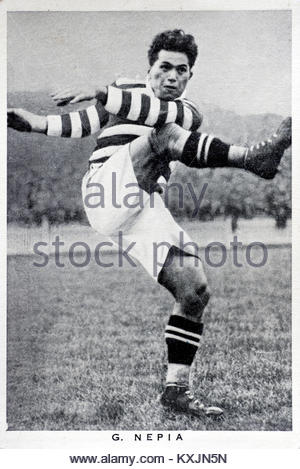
[{"x": 174, "y": 40}]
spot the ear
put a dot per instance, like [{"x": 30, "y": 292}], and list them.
[{"x": 191, "y": 74}]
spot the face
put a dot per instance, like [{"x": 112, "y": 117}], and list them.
[{"x": 169, "y": 75}]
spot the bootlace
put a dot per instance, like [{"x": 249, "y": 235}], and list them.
[
  {"x": 195, "y": 401},
  {"x": 263, "y": 143}
]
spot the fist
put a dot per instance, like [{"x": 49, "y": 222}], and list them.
[
  {"x": 25, "y": 121},
  {"x": 17, "y": 119}
]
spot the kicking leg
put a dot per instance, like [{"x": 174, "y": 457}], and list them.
[{"x": 200, "y": 150}]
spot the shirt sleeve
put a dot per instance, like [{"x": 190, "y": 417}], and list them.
[
  {"x": 78, "y": 124},
  {"x": 151, "y": 111}
]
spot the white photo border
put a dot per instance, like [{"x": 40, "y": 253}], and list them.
[{"x": 208, "y": 440}]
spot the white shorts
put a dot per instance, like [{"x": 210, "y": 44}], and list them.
[{"x": 118, "y": 208}]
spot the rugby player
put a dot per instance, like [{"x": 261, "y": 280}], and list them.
[{"x": 146, "y": 126}]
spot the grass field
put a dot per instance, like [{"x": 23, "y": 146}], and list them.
[{"x": 86, "y": 348}]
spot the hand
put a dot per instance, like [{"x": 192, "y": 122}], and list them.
[
  {"x": 25, "y": 121},
  {"x": 76, "y": 95}
]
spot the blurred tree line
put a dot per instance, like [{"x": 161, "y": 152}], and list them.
[{"x": 44, "y": 174}]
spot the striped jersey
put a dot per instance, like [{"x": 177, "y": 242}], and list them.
[{"x": 131, "y": 110}]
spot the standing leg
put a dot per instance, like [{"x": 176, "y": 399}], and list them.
[{"x": 184, "y": 277}]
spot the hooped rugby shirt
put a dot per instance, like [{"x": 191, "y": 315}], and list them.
[{"x": 131, "y": 110}]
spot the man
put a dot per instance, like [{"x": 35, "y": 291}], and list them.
[{"x": 147, "y": 125}]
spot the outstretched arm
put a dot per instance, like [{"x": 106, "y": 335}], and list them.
[
  {"x": 137, "y": 106},
  {"x": 76, "y": 124}
]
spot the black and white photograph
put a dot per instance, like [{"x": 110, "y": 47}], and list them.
[{"x": 149, "y": 223}]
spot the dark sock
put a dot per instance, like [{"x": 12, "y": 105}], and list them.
[
  {"x": 182, "y": 337},
  {"x": 205, "y": 151}
]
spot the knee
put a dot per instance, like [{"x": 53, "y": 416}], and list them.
[
  {"x": 187, "y": 283},
  {"x": 194, "y": 299},
  {"x": 192, "y": 292},
  {"x": 170, "y": 138}
]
